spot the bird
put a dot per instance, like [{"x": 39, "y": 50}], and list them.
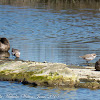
[
  {"x": 16, "y": 53},
  {"x": 24, "y": 82},
  {"x": 88, "y": 57},
  {"x": 4, "y": 45}
]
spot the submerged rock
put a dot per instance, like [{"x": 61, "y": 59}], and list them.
[{"x": 97, "y": 65}]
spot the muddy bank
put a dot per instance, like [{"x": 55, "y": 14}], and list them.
[{"x": 49, "y": 74}]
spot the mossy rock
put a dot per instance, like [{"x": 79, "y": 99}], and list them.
[{"x": 47, "y": 74}]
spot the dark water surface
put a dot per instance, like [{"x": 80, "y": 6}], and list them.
[
  {"x": 14, "y": 91},
  {"x": 45, "y": 33}
]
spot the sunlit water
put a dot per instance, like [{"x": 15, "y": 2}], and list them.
[
  {"x": 14, "y": 91},
  {"x": 49, "y": 35},
  {"x": 53, "y": 36}
]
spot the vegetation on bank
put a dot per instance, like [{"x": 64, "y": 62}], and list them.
[{"x": 53, "y": 4}]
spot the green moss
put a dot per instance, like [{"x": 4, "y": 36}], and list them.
[
  {"x": 5, "y": 76},
  {"x": 53, "y": 77},
  {"x": 54, "y": 80},
  {"x": 31, "y": 77},
  {"x": 6, "y": 72},
  {"x": 31, "y": 71},
  {"x": 39, "y": 78},
  {"x": 40, "y": 72},
  {"x": 53, "y": 74},
  {"x": 19, "y": 76}
]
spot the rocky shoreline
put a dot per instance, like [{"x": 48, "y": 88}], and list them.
[{"x": 49, "y": 74}]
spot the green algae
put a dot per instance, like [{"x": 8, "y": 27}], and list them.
[
  {"x": 31, "y": 77},
  {"x": 48, "y": 80},
  {"x": 44, "y": 74}
]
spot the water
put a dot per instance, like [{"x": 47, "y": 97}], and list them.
[
  {"x": 14, "y": 91},
  {"x": 52, "y": 32},
  {"x": 51, "y": 35}
]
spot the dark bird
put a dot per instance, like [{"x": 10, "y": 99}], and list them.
[
  {"x": 4, "y": 45},
  {"x": 24, "y": 82},
  {"x": 16, "y": 53}
]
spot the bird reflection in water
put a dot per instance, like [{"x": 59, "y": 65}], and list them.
[{"x": 4, "y": 55}]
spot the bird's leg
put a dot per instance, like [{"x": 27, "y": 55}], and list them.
[{"x": 87, "y": 62}]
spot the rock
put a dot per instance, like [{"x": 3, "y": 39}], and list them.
[
  {"x": 37, "y": 73},
  {"x": 49, "y": 74},
  {"x": 4, "y": 45},
  {"x": 97, "y": 65}
]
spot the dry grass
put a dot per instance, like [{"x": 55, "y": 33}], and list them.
[{"x": 53, "y": 4}]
